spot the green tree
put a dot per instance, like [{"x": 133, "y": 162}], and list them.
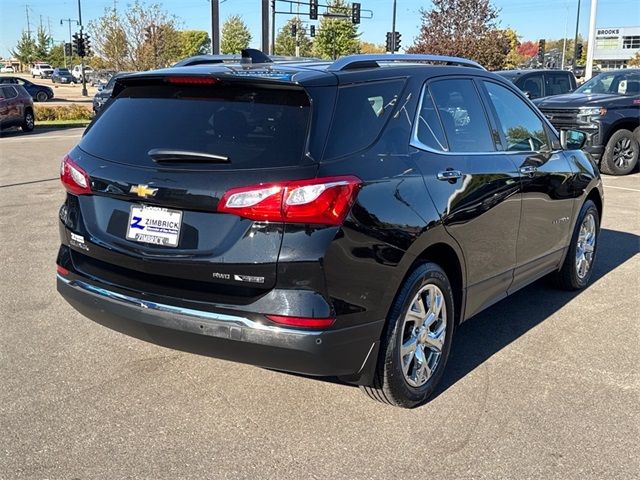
[
  {"x": 337, "y": 36},
  {"x": 144, "y": 36},
  {"x": 235, "y": 35},
  {"x": 514, "y": 57},
  {"x": 286, "y": 43},
  {"x": 368, "y": 47},
  {"x": 25, "y": 49},
  {"x": 42, "y": 44},
  {"x": 193, "y": 42},
  {"x": 56, "y": 56},
  {"x": 463, "y": 28}
]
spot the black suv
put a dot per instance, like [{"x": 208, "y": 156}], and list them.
[
  {"x": 607, "y": 109},
  {"x": 331, "y": 219},
  {"x": 541, "y": 83}
]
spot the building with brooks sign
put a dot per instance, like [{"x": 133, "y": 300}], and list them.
[{"x": 616, "y": 46}]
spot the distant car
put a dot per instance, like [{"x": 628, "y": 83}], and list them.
[
  {"x": 77, "y": 72},
  {"x": 541, "y": 83},
  {"x": 40, "y": 93},
  {"x": 7, "y": 69},
  {"x": 607, "y": 109},
  {"x": 62, "y": 75},
  {"x": 16, "y": 108},
  {"x": 104, "y": 93},
  {"x": 42, "y": 70}
]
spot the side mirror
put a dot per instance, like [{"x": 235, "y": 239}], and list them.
[
  {"x": 572, "y": 139},
  {"x": 527, "y": 94}
]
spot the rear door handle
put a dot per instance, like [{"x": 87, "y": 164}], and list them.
[
  {"x": 450, "y": 175},
  {"x": 528, "y": 170}
]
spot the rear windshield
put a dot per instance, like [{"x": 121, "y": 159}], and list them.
[{"x": 252, "y": 127}]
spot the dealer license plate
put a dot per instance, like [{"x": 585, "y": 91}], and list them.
[{"x": 157, "y": 225}]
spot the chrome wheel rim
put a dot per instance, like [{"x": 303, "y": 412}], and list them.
[
  {"x": 29, "y": 120},
  {"x": 423, "y": 334},
  {"x": 623, "y": 153},
  {"x": 586, "y": 246}
]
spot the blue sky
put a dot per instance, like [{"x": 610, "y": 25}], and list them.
[{"x": 532, "y": 19}]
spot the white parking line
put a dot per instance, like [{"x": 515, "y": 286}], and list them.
[{"x": 622, "y": 188}]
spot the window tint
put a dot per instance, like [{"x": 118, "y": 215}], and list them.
[
  {"x": 557, "y": 83},
  {"x": 252, "y": 127},
  {"x": 429, "y": 129},
  {"x": 361, "y": 112},
  {"x": 523, "y": 129},
  {"x": 462, "y": 115},
  {"x": 531, "y": 85},
  {"x": 9, "y": 92}
]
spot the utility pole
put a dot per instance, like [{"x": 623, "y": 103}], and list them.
[
  {"x": 265, "y": 26},
  {"x": 84, "y": 80},
  {"x": 564, "y": 39},
  {"x": 592, "y": 39},
  {"x": 273, "y": 27},
  {"x": 299, "y": 25},
  {"x": 26, "y": 9},
  {"x": 393, "y": 29},
  {"x": 575, "y": 40},
  {"x": 215, "y": 27}
]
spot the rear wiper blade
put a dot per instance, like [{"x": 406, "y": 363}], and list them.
[{"x": 172, "y": 155}]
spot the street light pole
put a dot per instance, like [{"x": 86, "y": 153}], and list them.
[
  {"x": 592, "y": 39},
  {"x": 393, "y": 29}
]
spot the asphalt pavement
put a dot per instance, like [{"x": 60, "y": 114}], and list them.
[{"x": 545, "y": 384}]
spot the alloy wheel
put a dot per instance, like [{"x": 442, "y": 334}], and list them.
[
  {"x": 423, "y": 335},
  {"x": 623, "y": 153},
  {"x": 585, "y": 248}
]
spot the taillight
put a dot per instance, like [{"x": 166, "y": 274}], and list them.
[
  {"x": 74, "y": 178},
  {"x": 61, "y": 270},
  {"x": 303, "y": 322},
  {"x": 321, "y": 201},
  {"x": 189, "y": 80}
]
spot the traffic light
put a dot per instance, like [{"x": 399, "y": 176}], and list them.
[
  {"x": 312, "y": 30},
  {"x": 578, "y": 51},
  {"x": 75, "y": 43},
  {"x": 294, "y": 29},
  {"x": 355, "y": 13},
  {"x": 396, "y": 42},
  {"x": 541, "y": 44},
  {"x": 313, "y": 9},
  {"x": 67, "y": 49},
  {"x": 81, "y": 48},
  {"x": 389, "y": 42},
  {"x": 86, "y": 45}
]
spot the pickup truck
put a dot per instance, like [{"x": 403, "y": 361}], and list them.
[
  {"x": 607, "y": 109},
  {"x": 77, "y": 72},
  {"x": 42, "y": 70}
]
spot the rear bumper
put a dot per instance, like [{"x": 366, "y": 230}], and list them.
[{"x": 346, "y": 352}]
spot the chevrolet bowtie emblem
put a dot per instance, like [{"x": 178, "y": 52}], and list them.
[{"x": 143, "y": 191}]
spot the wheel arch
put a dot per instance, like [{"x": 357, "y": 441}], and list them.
[{"x": 595, "y": 196}]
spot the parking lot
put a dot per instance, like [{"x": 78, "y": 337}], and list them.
[{"x": 545, "y": 384}]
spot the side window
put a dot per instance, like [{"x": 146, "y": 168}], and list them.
[
  {"x": 9, "y": 92},
  {"x": 429, "y": 130},
  {"x": 462, "y": 115},
  {"x": 557, "y": 84},
  {"x": 361, "y": 112},
  {"x": 532, "y": 85},
  {"x": 523, "y": 129}
]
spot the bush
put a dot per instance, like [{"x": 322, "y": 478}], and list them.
[{"x": 62, "y": 112}]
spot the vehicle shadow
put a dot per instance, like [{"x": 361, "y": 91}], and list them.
[
  {"x": 498, "y": 326},
  {"x": 490, "y": 331}
]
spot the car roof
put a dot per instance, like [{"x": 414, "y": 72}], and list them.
[
  {"x": 518, "y": 73},
  {"x": 347, "y": 69}
]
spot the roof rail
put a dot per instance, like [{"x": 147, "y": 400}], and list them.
[{"x": 351, "y": 62}]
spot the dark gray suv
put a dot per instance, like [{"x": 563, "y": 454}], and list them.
[{"x": 16, "y": 108}]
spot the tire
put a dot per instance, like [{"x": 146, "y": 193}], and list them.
[
  {"x": 570, "y": 276},
  {"x": 391, "y": 384},
  {"x": 41, "y": 97},
  {"x": 621, "y": 153},
  {"x": 636, "y": 133},
  {"x": 29, "y": 122}
]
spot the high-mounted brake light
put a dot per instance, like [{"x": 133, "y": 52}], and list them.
[
  {"x": 186, "y": 80},
  {"x": 321, "y": 201},
  {"x": 303, "y": 322},
  {"x": 74, "y": 178}
]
